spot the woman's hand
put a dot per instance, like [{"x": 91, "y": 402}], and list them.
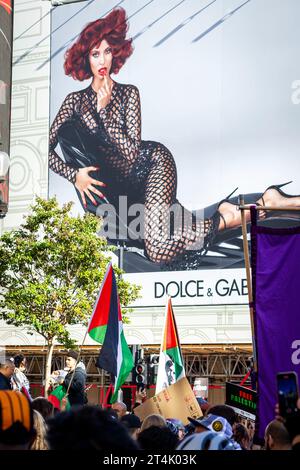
[
  {"x": 84, "y": 183},
  {"x": 104, "y": 94}
]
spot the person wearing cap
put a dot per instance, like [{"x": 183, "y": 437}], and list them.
[
  {"x": 7, "y": 368},
  {"x": 76, "y": 393},
  {"x": 133, "y": 424},
  {"x": 216, "y": 424},
  {"x": 212, "y": 423},
  {"x": 16, "y": 421}
]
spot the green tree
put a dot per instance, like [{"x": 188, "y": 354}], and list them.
[{"x": 50, "y": 272}]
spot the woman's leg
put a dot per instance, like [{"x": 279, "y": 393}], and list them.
[{"x": 165, "y": 239}]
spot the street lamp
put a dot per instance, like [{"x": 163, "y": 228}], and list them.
[{"x": 4, "y": 167}]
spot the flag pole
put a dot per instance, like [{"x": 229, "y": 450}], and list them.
[
  {"x": 248, "y": 274},
  {"x": 87, "y": 329},
  {"x": 162, "y": 337}
]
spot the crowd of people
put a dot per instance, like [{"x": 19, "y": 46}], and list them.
[{"x": 40, "y": 424}]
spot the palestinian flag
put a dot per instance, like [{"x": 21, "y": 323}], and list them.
[
  {"x": 170, "y": 367},
  {"x": 106, "y": 327},
  {"x": 56, "y": 396}
]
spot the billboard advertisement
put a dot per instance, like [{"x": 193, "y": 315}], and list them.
[
  {"x": 162, "y": 113},
  {"x": 6, "y": 29}
]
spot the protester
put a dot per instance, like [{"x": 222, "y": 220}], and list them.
[
  {"x": 179, "y": 427},
  {"x": 43, "y": 406},
  {"x": 16, "y": 421},
  {"x": 154, "y": 420},
  {"x": 39, "y": 442},
  {"x": 250, "y": 425},
  {"x": 156, "y": 438},
  {"x": 76, "y": 378},
  {"x": 172, "y": 427},
  {"x": 212, "y": 423},
  {"x": 241, "y": 436},
  {"x": 7, "y": 368},
  {"x": 88, "y": 428},
  {"x": 277, "y": 436},
  {"x": 120, "y": 408},
  {"x": 207, "y": 440},
  {"x": 216, "y": 424},
  {"x": 19, "y": 380},
  {"x": 133, "y": 424},
  {"x": 224, "y": 411}
]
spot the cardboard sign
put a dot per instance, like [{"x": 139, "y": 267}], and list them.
[
  {"x": 201, "y": 387},
  {"x": 177, "y": 401}
]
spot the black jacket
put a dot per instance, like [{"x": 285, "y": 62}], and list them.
[
  {"x": 77, "y": 389},
  {"x": 5, "y": 383}
]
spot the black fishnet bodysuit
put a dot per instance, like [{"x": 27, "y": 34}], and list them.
[{"x": 146, "y": 168}]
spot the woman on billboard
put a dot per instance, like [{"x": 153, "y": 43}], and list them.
[{"x": 99, "y": 132}]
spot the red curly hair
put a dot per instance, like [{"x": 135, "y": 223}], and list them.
[{"x": 113, "y": 29}]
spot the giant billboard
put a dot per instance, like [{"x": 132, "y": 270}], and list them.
[{"x": 159, "y": 111}]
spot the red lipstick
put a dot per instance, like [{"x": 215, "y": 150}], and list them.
[{"x": 103, "y": 71}]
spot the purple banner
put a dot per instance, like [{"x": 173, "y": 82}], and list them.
[{"x": 276, "y": 290}]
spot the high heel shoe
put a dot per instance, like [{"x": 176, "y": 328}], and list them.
[
  {"x": 193, "y": 259},
  {"x": 214, "y": 223},
  {"x": 277, "y": 187},
  {"x": 221, "y": 202},
  {"x": 282, "y": 214}
]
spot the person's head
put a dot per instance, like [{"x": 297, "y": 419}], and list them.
[
  {"x": 158, "y": 438},
  {"x": 16, "y": 421},
  {"x": 43, "y": 406},
  {"x": 133, "y": 424},
  {"x": 277, "y": 436},
  {"x": 213, "y": 423},
  {"x": 101, "y": 44},
  {"x": 120, "y": 408},
  {"x": 207, "y": 440},
  {"x": 39, "y": 442},
  {"x": 88, "y": 428},
  {"x": 241, "y": 435},
  {"x": 154, "y": 420},
  {"x": 225, "y": 411},
  {"x": 71, "y": 359},
  {"x": 20, "y": 362},
  {"x": 7, "y": 368},
  {"x": 251, "y": 429},
  {"x": 176, "y": 426}
]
